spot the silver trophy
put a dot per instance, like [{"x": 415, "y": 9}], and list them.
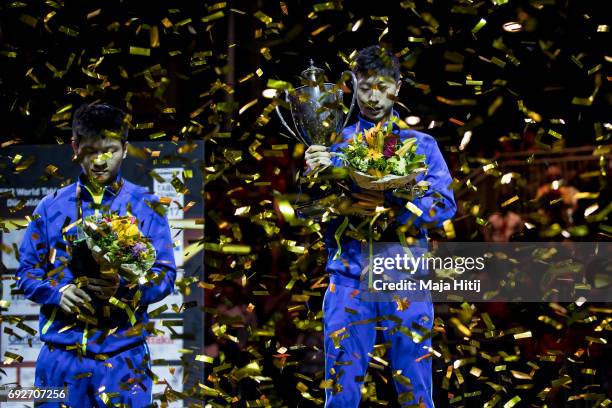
[{"x": 316, "y": 108}]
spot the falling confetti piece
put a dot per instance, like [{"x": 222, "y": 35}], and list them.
[
  {"x": 479, "y": 25},
  {"x": 263, "y": 17},
  {"x": 214, "y": 16},
  {"x": 145, "y": 52},
  {"x": 247, "y": 106},
  {"x": 327, "y": 6}
]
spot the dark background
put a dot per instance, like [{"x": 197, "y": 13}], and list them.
[{"x": 48, "y": 65}]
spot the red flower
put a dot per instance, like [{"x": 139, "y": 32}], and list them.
[{"x": 389, "y": 146}]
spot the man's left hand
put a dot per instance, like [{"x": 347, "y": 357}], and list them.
[
  {"x": 105, "y": 287},
  {"x": 367, "y": 201}
]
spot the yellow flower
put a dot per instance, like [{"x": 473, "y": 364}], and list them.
[
  {"x": 131, "y": 233},
  {"x": 126, "y": 231},
  {"x": 373, "y": 154}
]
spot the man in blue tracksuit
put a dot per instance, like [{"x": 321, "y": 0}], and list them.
[
  {"x": 94, "y": 333},
  {"x": 350, "y": 320}
]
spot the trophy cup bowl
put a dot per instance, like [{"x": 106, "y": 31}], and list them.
[
  {"x": 317, "y": 115},
  {"x": 317, "y": 108}
]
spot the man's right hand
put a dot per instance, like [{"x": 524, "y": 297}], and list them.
[
  {"x": 317, "y": 156},
  {"x": 72, "y": 298}
]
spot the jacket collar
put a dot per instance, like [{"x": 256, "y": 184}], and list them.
[
  {"x": 112, "y": 188},
  {"x": 364, "y": 123}
]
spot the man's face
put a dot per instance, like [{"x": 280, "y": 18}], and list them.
[
  {"x": 376, "y": 95},
  {"x": 100, "y": 158}
]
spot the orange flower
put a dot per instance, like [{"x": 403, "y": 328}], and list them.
[{"x": 371, "y": 135}]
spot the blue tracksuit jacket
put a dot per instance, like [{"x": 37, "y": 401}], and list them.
[
  {"x": 438, "y": 203},
  {"x": 41, "y": 275},
  {"x": 352, "y": 321}
]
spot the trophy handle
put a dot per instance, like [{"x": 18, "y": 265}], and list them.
[
  {"x": 354, "y": 99},
  {"x": 295, "y": 135}
]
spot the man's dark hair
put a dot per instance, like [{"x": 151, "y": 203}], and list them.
[
  {"x": 375, "y": 60},
  {"x": 99, "y": 120}
]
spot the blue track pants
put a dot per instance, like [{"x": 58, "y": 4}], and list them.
[
  {"x": 121, "y": 380},
  {"x": 350, "y": 334}
]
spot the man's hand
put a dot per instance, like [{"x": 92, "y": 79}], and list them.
[
  {"x": 106, "y": 286},
  {"x": 366, "y": 201},
  {"x": 72, "y": 298},
  {"x": 317, "y": 156}
]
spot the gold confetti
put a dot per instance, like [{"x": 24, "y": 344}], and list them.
[
  {"x": 461, "y": 327},
  {"x": 154, "y": 37},
  {"x": 320, "y": 30},
  {"x": 414, "y": 209},
  {"x": 144, "y": 52},
  {"x": 449, "y": 229},
  {"x": 214, "y": 16},
  {"x": 263, "y": 17},
  {"x": 204, "y": 358},
  {"x": 510, "y": 201},
  {"x": 521, "y": 376},
  {"x": 327, "y": 6},
  {"x": 457, "y": 102},
  {"x": 551, "y": 322},
  {"x": 253, "y": 150},
  {"x": 247, "y": 106},
  {"x": 93, "y": 14},
  {"x": 512, "y": 402},
  {"x": 523, "y": 335},
  {"x": 479, "y": 25}
]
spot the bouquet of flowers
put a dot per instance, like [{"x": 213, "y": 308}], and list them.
[
  {"x": 117, "y": 241},
  {"x": 378, "y": 160}
]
